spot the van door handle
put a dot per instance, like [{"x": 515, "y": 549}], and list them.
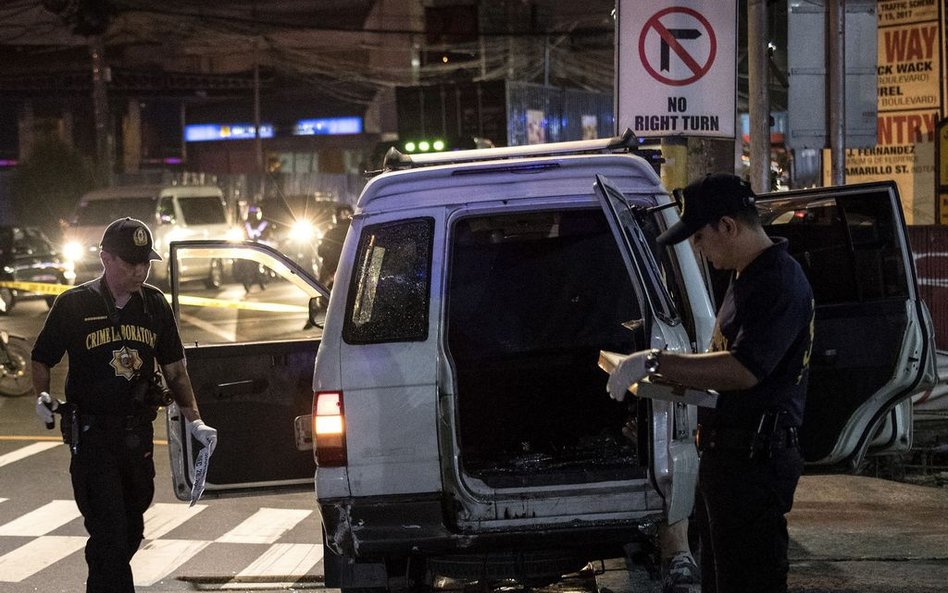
[{"x": 235, "y": 388}]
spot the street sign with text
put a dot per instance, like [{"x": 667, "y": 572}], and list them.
[{"x": 676, "y": 73}]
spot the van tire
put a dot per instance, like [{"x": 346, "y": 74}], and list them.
[{"x": 215, "y": 277}]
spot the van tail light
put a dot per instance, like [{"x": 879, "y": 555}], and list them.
[{"x": 329, "y": 429}]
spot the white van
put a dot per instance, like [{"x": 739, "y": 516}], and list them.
[
  {"x": 172, "y": 212},
  {"x": 462, "y": 425}
]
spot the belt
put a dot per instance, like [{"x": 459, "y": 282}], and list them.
[
  {"x": 112, "y": 421},
  {"x": 746, "y": 440}
]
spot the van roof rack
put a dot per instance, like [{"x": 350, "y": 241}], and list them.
[{"x": 395, "y": 160}]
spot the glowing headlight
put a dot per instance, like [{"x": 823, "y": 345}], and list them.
[
  {"x": 302, "y": 231},
  {"x": 73, "y": 251},
  {"x": 234, "y": 234}
]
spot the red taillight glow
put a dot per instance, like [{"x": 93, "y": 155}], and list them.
[{"x": 329, "y": 429}]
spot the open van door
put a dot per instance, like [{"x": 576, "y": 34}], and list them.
[
  {"x": 873, "y": 342},
  {"x": 673, "y": 459},
  {"x": 250, "y": 346}
]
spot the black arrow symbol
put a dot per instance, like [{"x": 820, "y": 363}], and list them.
[{"x": 677, "y": 34}]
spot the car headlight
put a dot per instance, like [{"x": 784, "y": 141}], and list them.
[
  {"x": 73, "y": 251},
  {"x": 302, "y": 231}
]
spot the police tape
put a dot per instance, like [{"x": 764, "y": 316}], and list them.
[
  {"x": 191, "y": 301},
  {"x": 37, "y": 287}
]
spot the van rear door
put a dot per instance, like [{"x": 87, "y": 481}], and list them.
[
  {"x": 250, "y": 354},
  {"x": 672, "y": 455},
  {"x": 873, "y": 345}
]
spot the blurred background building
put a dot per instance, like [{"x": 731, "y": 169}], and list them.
[{"x": 296, "y": 96}]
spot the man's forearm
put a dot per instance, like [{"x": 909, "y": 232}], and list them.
[
  {"x": 40, "y": 377},
  {"x": 713, "y": 370},
  {"x": 176, "y": 375}
]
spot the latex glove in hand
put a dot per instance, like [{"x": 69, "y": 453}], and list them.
[
  {"x": 205, "y": 435},
  {"x": 45, "y": 406},
  {"x": 629, "y": 371}
]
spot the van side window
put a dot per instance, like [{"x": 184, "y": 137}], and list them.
[
  {"x": 202, "y": 210},
  {"x": 166, "y": 210},
  {"x": 390, "y": 287}
]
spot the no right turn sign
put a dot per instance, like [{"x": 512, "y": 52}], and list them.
[{"x": 677, "y": 67}]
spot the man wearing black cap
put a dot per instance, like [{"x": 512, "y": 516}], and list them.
[
  {"x": 115, "y": 329},
  {"x": 759, "y": 360}
]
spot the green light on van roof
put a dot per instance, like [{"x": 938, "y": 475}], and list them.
[
  {"x": 438, "y": 145},
  {"x": 424, "y": 146},
  {"x": 410, "y": 147}
]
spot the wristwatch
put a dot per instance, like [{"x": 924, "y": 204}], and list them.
[{"x": 652, "y": 361}]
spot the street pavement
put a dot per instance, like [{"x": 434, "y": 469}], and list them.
[{"x": 851, "y": 534}]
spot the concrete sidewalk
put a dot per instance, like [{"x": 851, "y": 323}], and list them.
[
  {"x": 851, "y": 534},
  {"x": 860, "y": 534}
]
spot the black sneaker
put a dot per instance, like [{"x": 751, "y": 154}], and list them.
[{"x": 680, "y": 574}]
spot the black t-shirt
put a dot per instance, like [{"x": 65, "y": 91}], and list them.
[
  {"x": 107, "y": 345},
  {"x": 766, "y": 322}
]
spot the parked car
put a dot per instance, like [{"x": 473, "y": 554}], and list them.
[
  {"x": 172, "y": 212},
  {"x": 27, "y": 255},
  {"x": 459, "y": 421}
]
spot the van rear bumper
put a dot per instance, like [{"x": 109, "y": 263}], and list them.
[{"x": 372, "y": 528}]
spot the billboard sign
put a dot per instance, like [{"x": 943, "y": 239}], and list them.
[{"x": 911, "y": 67}]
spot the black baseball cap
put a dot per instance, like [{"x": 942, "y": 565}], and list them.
[
  {"x": 705, "y": 201},
  {"x": 130, "y": 240}
]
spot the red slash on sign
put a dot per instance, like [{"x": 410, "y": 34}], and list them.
[{"x": 656, "y": 32}]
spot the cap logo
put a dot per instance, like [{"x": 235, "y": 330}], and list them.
[{"x": 140, "y": 237}]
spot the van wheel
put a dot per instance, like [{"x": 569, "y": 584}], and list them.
[{"x": 216, "y": 276}]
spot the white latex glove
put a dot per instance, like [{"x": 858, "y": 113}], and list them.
[
  {"x": 45, "y": 405},
  {"x": 205, "y": 435},
  {"x": 629, "y": 371}
]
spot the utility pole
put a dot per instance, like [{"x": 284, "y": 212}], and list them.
[
  {"x": 758, "y": 97},
  {"x": 100, "y": 107},
  {"x": 837, "y": 90}
]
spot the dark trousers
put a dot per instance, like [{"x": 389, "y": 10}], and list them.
[
  {"x": 740, "y": 511},
  {"x": 113, "y": 483}
]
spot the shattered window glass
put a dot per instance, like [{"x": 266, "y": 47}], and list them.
[{"x": 388, "y": 298}]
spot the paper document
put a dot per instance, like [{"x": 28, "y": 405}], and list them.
[
  {"x": 655, "y": 388},
  {"x": 200, "y": 474}
]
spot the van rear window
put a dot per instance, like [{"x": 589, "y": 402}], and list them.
[
  {"x": 389, "y": 291},
  {"x": 534, "y": 282},
  {"x": 202, "y": 210},
  {"x": 103, "y": 212}
]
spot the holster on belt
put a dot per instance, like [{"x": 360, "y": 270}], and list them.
[
  {"x": 69, "y": 426},
  {"x": 771, "y": 434}
]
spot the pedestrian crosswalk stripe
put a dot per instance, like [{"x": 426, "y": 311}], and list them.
[
  {"x": 41, "y": 521},
  {"x": 291, "y": 560},
  {"x": 36, "y": 555},
  {"x": 265, "y": 526},
  {"x": 24, "y": 452},
  {"x": 155, "y": 560},
  {"x": 163, "y": 517}
]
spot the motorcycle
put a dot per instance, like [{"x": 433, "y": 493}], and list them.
[{"x": 16, "y": 376}]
